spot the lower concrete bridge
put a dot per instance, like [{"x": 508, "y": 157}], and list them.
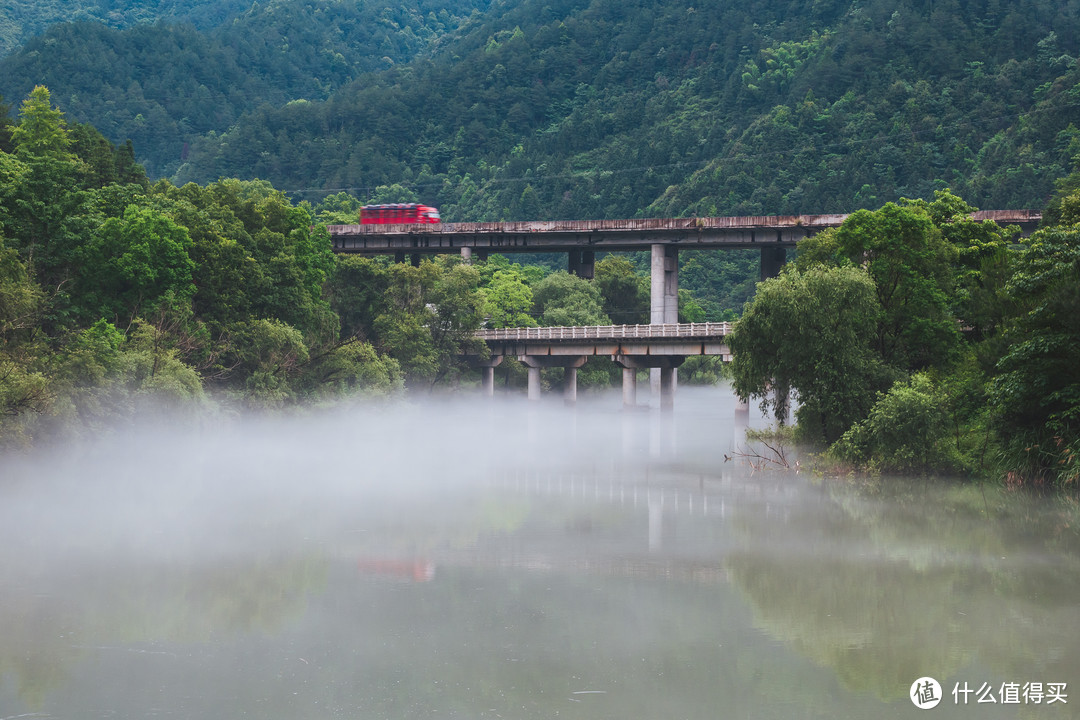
[{"x": 662, "y": 347}]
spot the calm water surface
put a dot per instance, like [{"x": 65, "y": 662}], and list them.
[{"x": 460, "y": 560}]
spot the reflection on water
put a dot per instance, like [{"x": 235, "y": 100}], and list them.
[{"x": 457, "y": 560}]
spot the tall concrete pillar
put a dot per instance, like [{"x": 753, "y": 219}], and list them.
[
  {"x": 535, "y": 362},
  {"x": 663, "y": 367},
  {"x": 466, "y": 255},
  {"x": 663, "y": 297},
  {"x": 629, "y": 387},
  {"x": 570, "y": 385},
  {"x": 667, "y": 389},
  {"x": 664, "y": 284},
  {"x": 581, "y": 263},
  {"x": 772, "y": 259},
  {"x": 487, "y": 381},
  {"x": 415, "y": 259},
  {"x": 534, "y": 383}
]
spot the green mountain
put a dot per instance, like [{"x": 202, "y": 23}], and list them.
[
  {"x": 20, "y": 20},
  {"x": 163, "y": 85},
  {"x": 588, "y": 109},
  {"x": 592, "y": 108}
]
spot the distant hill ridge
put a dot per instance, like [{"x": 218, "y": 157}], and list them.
[{"x": 571, "y": 109}]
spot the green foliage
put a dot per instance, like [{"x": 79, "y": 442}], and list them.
[
  {"x": 905, "y": 431},
  {"x": 429, "y": 318},
  {"x": 812, "y": 332},
  {"x": 134, "y": 264},
  {"x": 909, "y": 263},
  {"x": 508, "y": 300},
  {"x": 352, "y": 368},
  {"x": 625, "y": 293},
  {"x": 21, "y": 299},
  {"x": 1036, "y": 392},
  {"x": 41, "y": 130},
  {"x": 562, "y": 299}
]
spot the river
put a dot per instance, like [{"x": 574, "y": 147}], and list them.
[{"x": 456, "y": 559}]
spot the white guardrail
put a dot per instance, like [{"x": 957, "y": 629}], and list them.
[{"x": 609, "y": 332}]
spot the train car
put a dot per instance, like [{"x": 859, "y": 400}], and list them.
[{"x": 398, "y": 213}]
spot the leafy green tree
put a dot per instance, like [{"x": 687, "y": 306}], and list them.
[
  {"x": 980, "y": 268},
  {"x": 1036, "y": 393},
  {"x": 357, "y": 293},
  {"x": 21, "y": 299},
  {"x": 270, "y": 353},
  {"x": 135, "y": 263},
  {"x": 910, "y": 265},
  {"x": 42, "y": 131},
  {"x": 905, "y": 431},
  {"x": 43, "y": 203},
  {"x": 350, "y": 368},
  {"x": 508, "y": 300},
  {"x": 812, "y": 332},
  {"x": 430, "y": 317},
  {"x": 565, "y": 299},
  {"x": 625, "y": 293}
]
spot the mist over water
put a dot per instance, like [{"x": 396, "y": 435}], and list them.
[{"x": 456, "y": 558}]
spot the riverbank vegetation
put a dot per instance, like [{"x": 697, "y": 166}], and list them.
[{"x": 917, "y": 339}]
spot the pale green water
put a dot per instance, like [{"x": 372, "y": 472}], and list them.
[{"x": 471, "y": 561}]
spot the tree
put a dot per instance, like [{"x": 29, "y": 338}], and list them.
[
  {"x": 1036, "y": 393},
  {"x": 565, "y": 299},
  {"x": 910, "y": 264},
  {"x": 625, "y": 293},
  {"x": 905, "y": 431},
  {"x": 135, "y": 263},
  {"x": 812, "y": 332},
  {"x": 508, "y": 300},
  {"x": 41, "y": 130}
]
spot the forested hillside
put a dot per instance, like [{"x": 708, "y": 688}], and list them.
[
  {"x": 602, "y": 109},
  {"x": 162, "y": 86},
  {"x": 591, "y": 108},
  {"x": 21, "y": 20}
]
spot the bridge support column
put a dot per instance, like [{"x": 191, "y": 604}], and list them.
[
  {"x": 663, "y": 366},
  {"x": 570, "y": 385},
  {"x": 534, "y": 383},
  {"x": 629, "y": 387},
  {"x": 487, "y": 372},
  {"x": 664, "y": 284},
  {"x": 581, "y": 263},
  {"x": 667, "y": 389},
  {"x": 535, "y": 362},
  {"x": 664, "y": 298},
  {"x": 466, "y": 255},
  {"x": 772, "y": 259}
]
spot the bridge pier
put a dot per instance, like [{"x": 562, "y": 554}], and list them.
[
  {"x": 570, "y": 363},
  {"x": 663, "y": 367},
  {"x": 466, "y": 255},
  {"x": 487, "y": 372},
  {"x": 629, "y": 387},
  {"x": 581, "y": 263},
  {"x": 772, "y": 259},
  {"x": 664, "y": 302}
]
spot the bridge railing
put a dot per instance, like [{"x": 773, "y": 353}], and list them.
[{"x": 609, "y": 332}]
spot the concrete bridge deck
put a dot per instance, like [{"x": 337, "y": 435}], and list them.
[
  {"x": 661, "y": 347},
  {"x": 605, "y": 235}
]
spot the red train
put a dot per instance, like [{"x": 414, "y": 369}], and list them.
[{"x": 398, "y": 213}]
